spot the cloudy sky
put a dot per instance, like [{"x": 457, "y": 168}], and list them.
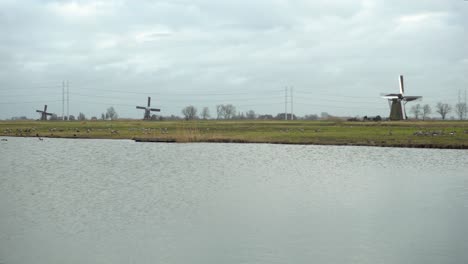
[{"x": 338, "y": 55}]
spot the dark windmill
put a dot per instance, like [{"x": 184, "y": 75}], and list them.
[
  {"x": 44, "y": 113},
  {"x": 398, "y": 101},
  {"x": 148, "y": 110}
]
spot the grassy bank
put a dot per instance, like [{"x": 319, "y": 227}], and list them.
[{"x": 437, "y": 134}]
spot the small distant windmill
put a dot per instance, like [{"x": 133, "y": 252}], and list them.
[
  {"x": 148, "y": 110},
  {"x": 44, "y": 113},
  {"x": 398, "y": 101}
]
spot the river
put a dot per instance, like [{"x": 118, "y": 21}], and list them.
[{"x": 117, "y": 201}]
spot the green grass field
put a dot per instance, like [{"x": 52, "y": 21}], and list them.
[{"x": 437, "y": 134}]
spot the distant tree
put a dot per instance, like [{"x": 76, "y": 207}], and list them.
[
  {"x": 250, "y": 115},
  {"x": 281, "y": 116},
  {"x": 81, "y": 117},
  {"x": 154, "y": 117},
  {"x": 53, "y": 117},
  {"x": 205, "y": 114},
  {"x": 324, "y": 115},
  {"x": 416, "y": 110},
  {"x": 426, "y": 111},
  {"x": 71, "y": 118},
  {"x": 219, "y": 111},
  {"x": 239, "y": 116},
  {"x": 265, "y": 117},
  {"x": 189, "y": 112},
  {"x": 311, "y": 117},
  {"x": 103, "y": 116},
  {"x": 94, "y": 118},
  {"x": 111, "y": 113},
  {"x": 19, "y": 118},
  {"x": 229, "y": 111},
  {"x": 460, "y": 110},
  {"x": 443, "y": 109},
  {"x": 172, "y": 117}
]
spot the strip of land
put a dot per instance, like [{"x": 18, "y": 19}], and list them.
[{"x": 420, "y": 134}]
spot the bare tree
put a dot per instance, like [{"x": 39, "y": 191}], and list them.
[
  {"x": 426, "y": 111},
  {"x": 460, "y": 110},
  {"x": 443, "y": 109},
  {"x": 189, "y": 112},
  {"x": 416, "y": 110},
  {"x": 81, "y": 117},
  {"x": 239, "y": 116},
  {"x": 111, "y": 113},
  {"x": 251, "y": 114},
  {"x": 205, "y": 114},
  {"x": 229, "y": 111},
  {"x": 220, "y": 111}
]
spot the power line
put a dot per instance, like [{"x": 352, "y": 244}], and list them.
[
  {"x": 30, "y": 102},
  {"x": 344, "y": 96},
  {"x": 343, "y": 107},
  {"x": 203, "y": 93},
  {"x": 31, "y": 88},
  {"x": 339, "y": 101},
  {"x": 182, "y": 100}
]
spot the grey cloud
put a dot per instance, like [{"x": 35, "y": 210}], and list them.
[{"x": 326, "y": 47}]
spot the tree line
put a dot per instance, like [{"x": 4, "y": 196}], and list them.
[
  {"x": 443, "y": 109},
  {"x": 229, "y": 111}
]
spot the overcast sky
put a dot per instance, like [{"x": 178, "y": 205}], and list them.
[{"x": 338, "y": 55}]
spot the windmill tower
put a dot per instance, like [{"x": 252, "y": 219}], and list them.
[
  {"x": 148, "y": 110},
  {"x": 398, "y": 101},
  {"x": 44, "y": 113}
]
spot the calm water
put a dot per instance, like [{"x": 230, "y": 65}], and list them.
[{"x": 103, "y": 201}]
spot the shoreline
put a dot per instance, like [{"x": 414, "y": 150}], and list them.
[{"x": 236, "y": 141}]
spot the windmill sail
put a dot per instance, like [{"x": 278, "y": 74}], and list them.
[
  {"x": 412, "y": 98},
  {"x": 402, "y": 85}
]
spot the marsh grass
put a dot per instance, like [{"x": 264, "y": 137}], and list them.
[{"x": 451, "y": 133}]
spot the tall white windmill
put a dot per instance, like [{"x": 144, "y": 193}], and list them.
[{"x": 398, "y": 101}]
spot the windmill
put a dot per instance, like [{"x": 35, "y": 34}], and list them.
[
  {"x": 398, "y": 101},
  {"x": 44, "y": 113},
  {"x": 148, "y": 110}
]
